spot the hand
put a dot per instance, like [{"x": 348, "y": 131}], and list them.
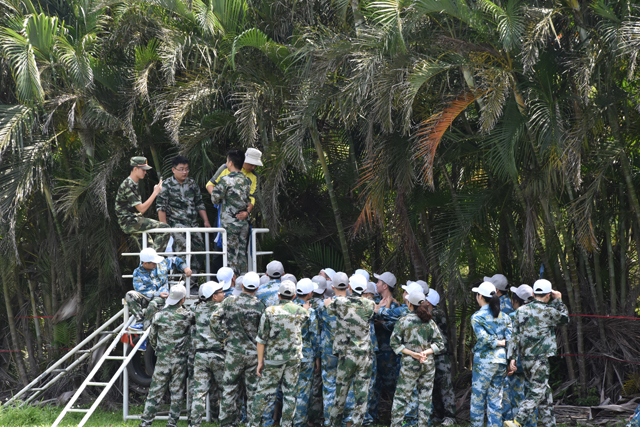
[
  {"x": 164, "y": 294},
  {"x": 307, "y": 305},
  {"x": 206, "y": 224},
  {"x": 260, "y": 368},
  {"x": 556, "y": 295},
  {"x": 157, "y": 188},
  {"x": 188, "y": 272},
  {"x": 388, "y": 302},
  {"x": 242, "y": 215},
  {"x": 395, "y": 300},
  {"x": 512, "y": 367},
  {"x": 327, "y": 301},
  {"x": 502, "y": 343},
  {"x": 317, "y": 369}
]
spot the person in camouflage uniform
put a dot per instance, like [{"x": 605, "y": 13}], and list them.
[
  {"x": 279, "y": 354},
  {"x": 372, "y": 411},
  {"x": 129, "y": 206},
  {"x": 150, "y": 284},
  {"x": 353, "y": 346},
  {"x": 493, "y": 333},
  {"x": 208, "y": 364},
  {"x": 179, "y": 204},
  {"x": 310, "y": 354},
  {"x": 238, "y": 318},
  {"x": 501, "y": 283},
  {"x": 268, "y": 293},
  {"x": 534, "y": 342},
  {"x": 634, "y": 420},
  {"x": 417, "y": 337},
  {"x": 315, "y": 410},
  {"x": 232, "y": 194},
  {"x": 169, "y": 337}
]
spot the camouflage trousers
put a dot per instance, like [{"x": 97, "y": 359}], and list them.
[
  {"x": 414, "y": 377},
  {"x": 197, "y": 245},
  {"x": 274, "y": 376},
  {"x": 305, "y": 384},
  {"x": 512, "y": 395},
  {"x": 239, "y": 370},
  {"x": 635, "y": 419},
  {"x": 329, "y": 376},
  {"x": 316, "y": 405},
  {"x": 486, "y": 393},
  {"x": 353, "y": 372},
  {"x": 142, "y": 308},
  {"x": 208, "y": 369},
  {"x": 237, "y": 239},
  {"x": 170, "y": 372},
  {"x": 388, "y": 368},
  {"x": 538, "y": 393},
  {"x": 444, "y": 401},
  {"x": 372, "y": 410},
  {"x": 143, "y": 224}
]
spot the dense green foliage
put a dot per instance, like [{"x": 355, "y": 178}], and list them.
[{"x": 439, "y": 139}]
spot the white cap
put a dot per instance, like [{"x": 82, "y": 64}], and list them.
[
  {"x": 251, "y": 281},
  {"x": 387, "y": 277},
  {"x": 275, "y": 269},
  {"x": 541, "y": 287},
  {"x": 289, "y": 277},
  {"x": 524, "y": 292},
  {"x": 340, "y": 280},
  {"x": 433, "y": 297},
  {"x": 236, "y": 292},
  {"x": 321, "y": 282},
  {"x": 287, "y": 288},
  {"x": 486, "y": 289},
  {"x": 358, "y": 283},
  {"x": 150, "y": 255},
  {"x": 329, "y": 272},
  {"x": 499, "y": 281},
  {"x": 362, "y": 272},
  {"x": 371, "y": 289},
  {"x": 225, "y": 277},
  {"x": 416, "y": 297},
  {"x": 412, "y": 286},
  {"x": 425, "y": 286},
  {"x": 264, "y": 279},
  {"x": 305, "y": 286},
  {"x": 176, "y": 294},
  {"x": 253, "y": 156},
  {"x": 209, "y": 288}
]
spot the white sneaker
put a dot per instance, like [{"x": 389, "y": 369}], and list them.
[{"x": 448, "y": 421}]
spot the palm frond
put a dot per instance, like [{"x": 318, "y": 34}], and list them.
[
  {"x": 16, "y": 122},
  {"x": 76, "y": 58},
  {"x": 21, "y": 56},
  {"x": 254, "y": 37},
  {"x": 510, "y": 22}
]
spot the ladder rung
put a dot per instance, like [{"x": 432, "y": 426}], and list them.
[
  {"x": 60, "y": 370},
  {"x": 108, "y": 332},
  {"x": 83, "y": 351},
  {"x": 37, "y": 389},
  {"x": 115, "y": 358},
  {"x": 77, "y": 410},
  {"x": 98, "y": 384}
]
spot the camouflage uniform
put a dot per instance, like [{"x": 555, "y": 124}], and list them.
[
  {"x": 388, "y": 363},
  {"x": 232, "y": 194},
  {"x": 169, "y": 337},
  {"x": 145, "y": 300},
  {"x": 635, "y": 420},
  {"x": 353, "y": 346},
  {"x": 268, "y": 293},
  {"x": 444, "y": 402},
  {"x": 411, "y": 333},
  {"x": 310, "y": 352},
  {"x": 131, "y": 221},
  {"x": 281, "y": 333},
  {"x": 505, "y": 305},
  {"x": 208, "y": 364},
  {"x": 181, "y": 203},
  {"x": 238, "y": 319},
  {"x": 315, "y": 410},
  {"x": 535, "y": 341},
  {"x": 489, "y": 366}
]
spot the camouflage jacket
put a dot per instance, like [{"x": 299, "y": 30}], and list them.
[
  {"x": 505, "y": 305},
  {"x": 489, "y": 330},
  {"x": 169, "y": 334},
  {"x": 151, "y": 283},
  {"x": 281, "y": 331},
  {"x": 232, "y": 194},
  {"x": 202, "y": 335},
  {"x": 128, "y": 196},
  {"x": 384, "y": 327},
  {"x": 254, "y": 178},
  {"x": 181, "y": 202},
  {"x": 441, "y": 322},
  {"x": 353, "y": 331},
  {"x": 238, "y": 318},
  {"x": 513, "y": 352},
  {"x": 413, "y": 334},
  {"x": 268, "y": 293},
  {"x": 310, "y": 335},
  {"x": 327, "y": 325},
  {"x": 533, "y": 328}
]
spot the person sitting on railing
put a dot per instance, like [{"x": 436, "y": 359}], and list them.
[
  {"x": 151, "y": 286},
  {"x": 129, "y": 206},
  {"x": 179, "y": 204}
]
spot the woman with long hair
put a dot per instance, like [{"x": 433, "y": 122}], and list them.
[
  {"x": 493, "y": 332},
  {"x": 417, "y": 338}
]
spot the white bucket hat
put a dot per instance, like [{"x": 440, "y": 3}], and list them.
[{"x": 253, "y": 156}]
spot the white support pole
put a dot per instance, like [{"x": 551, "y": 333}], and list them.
[
  {"x": 188, "y": 261},
  {"x": 225, "y": 249},
  {"x": 208, "y": 260},
  {"x": 125, "y": 373}
]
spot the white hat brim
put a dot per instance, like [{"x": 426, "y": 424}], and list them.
[{"x": 253, "y": 162}]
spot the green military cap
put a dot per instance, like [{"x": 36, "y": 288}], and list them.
[{"x": 139, "y": 162}]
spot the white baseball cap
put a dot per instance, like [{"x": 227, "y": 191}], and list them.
[
  {"x": 264, "y": 279},
  {"x": 305, "y": 286},
  {"x": 433, "y": 297},
  {"x": 209, "y": 288},
  {"x": 416, "y": 297},
  {"x": 239, "y": 281},
  {"x": 486, "y": 289},
  {"x": 340, "y": 280},
  {"x": 176, "y": 294},
  {"x": 412, "y": 286},
  {"x": 287, "y": 288},
  {"x": 362, "y": 272},
  {"x": 524, "y": 292},
  {"x": 150, "y": 255},
  {"x": 387, "y": 277},
  {"x": 251, "y": 281},
  {"x": 499, "y": 281},
  {"x": 425, "y": 286},
  {"x": 329, "y": 272},
  {"x": 358, "y": 283},
  {"x": 541, "y": 287},
  {"x": 289, "y": 277},
  {"x": 253, "y": 156},
  {"x": 225, "y": 277},
  {"x": 321, "y": 282},
  {"x": 275, "y": 269},
  {"x": 371, "y": 289}
]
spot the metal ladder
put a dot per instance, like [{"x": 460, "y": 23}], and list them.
[
  {"x": 106, "y": 386},
  {"x": 55, "y": 372}
]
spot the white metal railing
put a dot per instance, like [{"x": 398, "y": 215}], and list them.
[{"x": 253, "y": 249}]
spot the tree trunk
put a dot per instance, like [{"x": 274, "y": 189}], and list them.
[
  {"x": 612, "y": 277},
  {"x": 36, "y": 320},
  {"x": 22, "y": 371},
  {"x": 79, "y": 314},
  {"x": 332, "y": 196},
  {"x": 622, "y": 229}
]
